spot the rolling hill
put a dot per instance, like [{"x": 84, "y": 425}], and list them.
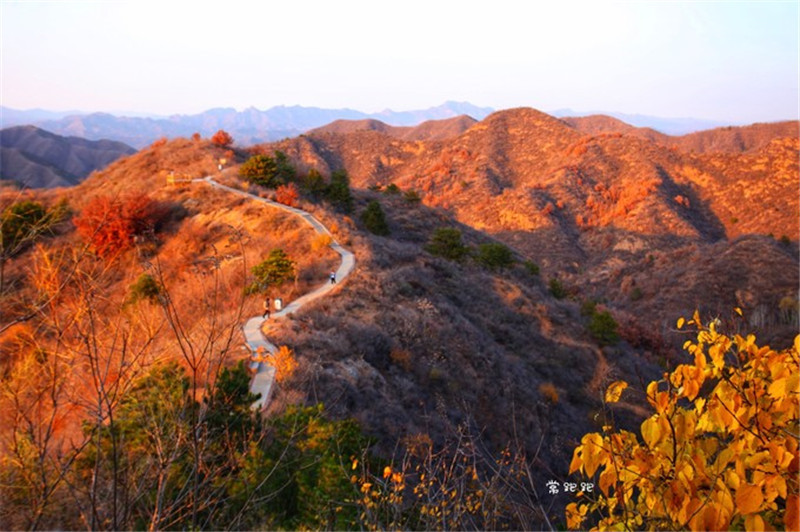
[
  {"x": 429, "y": 130},
  {"x": 35, "y": 158},
  {"x": 406, "y": 346},
  {"x": 609, "y": 209}
]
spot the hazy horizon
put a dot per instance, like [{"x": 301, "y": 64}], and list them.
[
  {"x": 553, "y": 112},
  {"x": 733, "y": 62}
]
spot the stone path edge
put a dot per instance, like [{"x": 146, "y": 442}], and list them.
[{"x": 264, "y": 376}]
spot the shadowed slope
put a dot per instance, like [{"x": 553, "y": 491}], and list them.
[{"x": 38, "y": 159}]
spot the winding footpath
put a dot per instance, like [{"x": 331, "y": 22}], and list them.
[{"x": 264, "y": 373}]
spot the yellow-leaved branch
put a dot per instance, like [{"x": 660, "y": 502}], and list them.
[{"x": 720, "y": 451}]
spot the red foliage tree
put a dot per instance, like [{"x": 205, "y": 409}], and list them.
[
  {"x": 110, "y": 224},
  {"x": 222, "y": 138},
  {"x": 287, "y": 194}
]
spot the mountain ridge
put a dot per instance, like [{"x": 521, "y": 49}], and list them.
[
  {"x": 609, "y": 211},
  {"x": 253, "y": 126},
  {"x": 250, "y": 126},
  {"x": 37, "y": 158}
]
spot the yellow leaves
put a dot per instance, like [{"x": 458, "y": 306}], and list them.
[
  {"x": 781, "y": 387},
  {"x": 791, "y": 519},
  {"x": 660, "y": 400},
  {"x": 387, "y": 471},
  {"x": 725, "y": 459},
  {"x": 717, "y": 354},
  {"x": 748, "y": 499},
  {"x": 774, "y": 486},
  {"x": 710, "y": 517},
  {"x": 651, "y": 432},
  {"x": 688, "y": 379},
  {"x": 593, "y": 453},
  {"x": 700, "y": 360},
  {"x": 754, "y": 522},
  {"x": 680, "y": 323},
  {"x": 576, "y": 515},
  {"x": 615, "y": 390},
  {"x": 577, "y": 460},
  {"x": 780, "y": 455},
  {"x": 732, "y": 479},
  {"x": 607, "y": 478}
]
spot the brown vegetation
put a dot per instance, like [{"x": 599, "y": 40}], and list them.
[
  {"x": 110, "y": 224},
  {"x": 222, "y": 138},
  {"x": 456, "y": 361},
  {"x": 591, "y": 205}
]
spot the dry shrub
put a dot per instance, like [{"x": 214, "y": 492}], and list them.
[
  {"x": 14, "y": 342},
  {"x": 578, "y": 149},
  {"x": 287, "y": 194},
  {"x": 402, "y": 358},
  {"x": 284, "y": 362},
  {"x": 321, "y": 241},
  {"x": 643, "y": 337},
  {"x": 549, "y": 392},
  {"x": 110, "y": 224},
  {"x": 682, "y": 200}
]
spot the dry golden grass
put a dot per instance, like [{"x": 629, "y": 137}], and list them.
[{"x": 201, "y": 257}]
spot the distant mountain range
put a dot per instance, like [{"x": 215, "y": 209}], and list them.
[
  {"x": 247, "y": 127},
  {"x": 36, "y": 158},
  {"x": 253, "y": 126}
]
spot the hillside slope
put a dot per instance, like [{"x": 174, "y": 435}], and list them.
[
  {"x": 36, "y": 158},
  {"x": 729, "y": 139},
  {"x": 420, "y": 349},
  {"x": 598, "y": 210},
  {"x": 415, "y": 345},
  {"x": 429, "y": 130},
  {"x": 412, "y": 344}
]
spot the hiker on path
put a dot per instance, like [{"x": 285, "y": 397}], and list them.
[
  {"x": 266, "y": 308},
  {"x": 333, "y": 277}
]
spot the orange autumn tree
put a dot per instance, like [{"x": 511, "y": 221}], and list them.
[
  {"x": 283, "y": 360},
  {"x": 222, "y": 138},
  {"x": 720, "y": 452},
  {"x": 287, "y": 194},
  {"x": 110, "y": 224}
]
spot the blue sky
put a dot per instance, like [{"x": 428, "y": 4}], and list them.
[{"x": 735, "y": 62}]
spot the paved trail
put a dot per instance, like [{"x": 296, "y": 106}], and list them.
[{"x": 265, "y": 374}]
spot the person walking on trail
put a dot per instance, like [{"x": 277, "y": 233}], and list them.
[
  {"x": 266, "y": 308},
  {"x": 333, "y": 277}
]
